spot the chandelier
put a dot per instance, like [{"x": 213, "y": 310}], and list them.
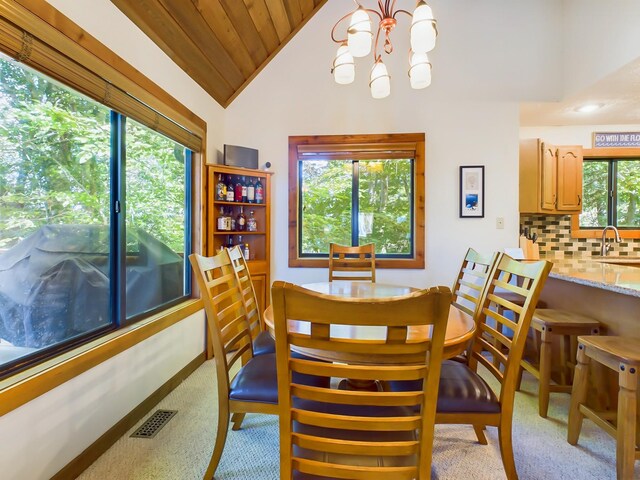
[{"x": 423, "y": 33}]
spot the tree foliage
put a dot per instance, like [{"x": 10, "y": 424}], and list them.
[
  {"x": 596, "y": 193},
  {"x": 55, "y": 149},
  {"x": 384, "y": 192}
]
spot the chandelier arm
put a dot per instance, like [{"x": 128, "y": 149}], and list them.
[
  {"x": 376, "y": 57},
  {"x": 374, "y": 11},
  {"x": 333, "y": 30},
  {"x": 401, "y": 11}
]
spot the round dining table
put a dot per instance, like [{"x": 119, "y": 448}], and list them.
[{"x": 460, "y": 325}]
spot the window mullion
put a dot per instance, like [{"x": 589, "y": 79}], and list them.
[
  {"x": 612, "y": 197},
  {"x": 118, "y": 249},
  {"x": 188, "y": 159},
  {"x": 355, "y": 203}
]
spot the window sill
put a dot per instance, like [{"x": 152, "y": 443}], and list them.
[
  {"x": 401, "y": 263},
  {"x": 576, "y": 232},
  {"x": 24, "y": 386}
]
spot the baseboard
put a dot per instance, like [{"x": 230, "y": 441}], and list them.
[{"x": 79, "y": 464}]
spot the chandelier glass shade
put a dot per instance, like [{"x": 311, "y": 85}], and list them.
[{"x": 359, "y": 41}]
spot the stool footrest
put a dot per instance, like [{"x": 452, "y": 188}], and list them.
[
  {"x": 560, "y": 388},
  {"x": 598, "y": 419}
]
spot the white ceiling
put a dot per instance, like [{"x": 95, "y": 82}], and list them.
[{"x": 618, "y": 93}]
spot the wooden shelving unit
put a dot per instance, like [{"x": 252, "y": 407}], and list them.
[{"x": 259, "y": 241}]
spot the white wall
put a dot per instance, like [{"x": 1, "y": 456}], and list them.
[
  {"x": 599, "y": 37},
  {"x": 469, "y": 114},
  {"x": 41, "y": 437}
]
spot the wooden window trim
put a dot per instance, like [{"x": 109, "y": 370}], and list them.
[
  {"x": 363, "y": 146},
  {"x": 593, "y": 153},
  {"x": 38, "y": 35}
]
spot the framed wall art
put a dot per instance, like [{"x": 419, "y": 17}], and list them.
[{"x": 472, "y": 191}]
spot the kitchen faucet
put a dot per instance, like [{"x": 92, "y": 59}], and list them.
[{"x": 604, "y": 249}]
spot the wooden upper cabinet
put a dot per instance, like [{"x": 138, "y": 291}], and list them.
[
  {"x": 550, "y": 178},
  {"x": 569, "y": 179}
]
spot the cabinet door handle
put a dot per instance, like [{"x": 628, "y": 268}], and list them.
[{"x": 579, "y": 199}]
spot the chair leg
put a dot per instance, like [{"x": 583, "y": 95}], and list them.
[
  {"x": 519, "y": 380},
  {"x": 479, "y": 429},
  {"x": 626, "y": 432},
  {"x": 578, "y": 396},
  {"x": 237, "y": 419},
  {"x": 221, "y": 438},
  {"x": 506, "y": 449},
  {"x": 564, "y": 357},
  {"x": 545, "y": 373}
]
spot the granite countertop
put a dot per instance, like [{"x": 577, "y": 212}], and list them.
[{"x": 617, "y": 274}]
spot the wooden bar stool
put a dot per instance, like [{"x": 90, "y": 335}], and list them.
[
  {"x": 556, "y": 323},
  {"x": 622, "y": 355}
]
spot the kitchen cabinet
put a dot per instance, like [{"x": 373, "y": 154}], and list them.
[
  {"x": 257, "y": 239},
  {"x": 550, "y": 178}
]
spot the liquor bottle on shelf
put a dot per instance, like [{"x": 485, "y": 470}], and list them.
[
  {"x": 252, "y": 224},
  {"x": 229, "y": 241},
  {"x": 231, "y": 220},
  {"x": 251, "y": 191},
  {"x": 238, "y": 192},
  {"x": 241, "y": 221},
  {"x": 222, "y": 220},
  {"x": 259, "y": 192},
  {"x": 230, "y": 191},
  {"x": 245, "y": 252},
  {"x": 240, "y": 241},
  {"x": 221, "y": 189},
  {"x": 244, "y": 189}
]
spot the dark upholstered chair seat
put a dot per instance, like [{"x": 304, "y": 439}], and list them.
[
  {"x": 264, "y": 343},
  {"x": 461, "y": 390},
  {"x": 256, "y": 381}
]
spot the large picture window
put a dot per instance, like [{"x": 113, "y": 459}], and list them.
[
  {"x": 355, "y": 190},
  {"x": 94, "y": 218}
]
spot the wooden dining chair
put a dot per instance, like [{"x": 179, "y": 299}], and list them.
[
  {"x": 334, "y": 433},
  {"x": 470, "y": 283},
  {"x": 472, "y": 280},
  {"x": 262, "y": 341},
  {"x": 254, "y": 388},
  {"x": 464, "y": 396},
  {"x": 352, "y": 263}
]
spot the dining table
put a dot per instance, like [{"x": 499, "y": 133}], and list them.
[{"x": 460, "y": 325}]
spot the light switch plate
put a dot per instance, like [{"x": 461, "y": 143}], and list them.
[{"x": 500, "y": 223}]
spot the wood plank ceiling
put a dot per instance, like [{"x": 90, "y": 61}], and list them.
[{"x": 221, "y": 44}]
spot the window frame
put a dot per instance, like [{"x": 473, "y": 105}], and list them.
[
  {"x": 65, "y": 47},
  {"x": 604, "y": 154},
  {"x": 360, "y": 147}
]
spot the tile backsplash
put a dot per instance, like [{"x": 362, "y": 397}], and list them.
[{"x": 554, "y": 238}]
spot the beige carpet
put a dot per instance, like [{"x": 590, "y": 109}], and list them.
[{"x": 181, "y": 450}]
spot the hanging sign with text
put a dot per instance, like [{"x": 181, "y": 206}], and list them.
[{"x": 616, "y": 139}]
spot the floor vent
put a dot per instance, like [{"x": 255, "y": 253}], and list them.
[{"x": 154, "y": 424}]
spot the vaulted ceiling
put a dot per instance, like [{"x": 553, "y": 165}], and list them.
[{"x": 221, "y": 44}]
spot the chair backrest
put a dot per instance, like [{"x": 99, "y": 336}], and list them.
[
  {"x": 352, "y": 263},
  {"x": 249, "y": 299},
  {"x": 226, "y": 318},
  {"x": 471, "y": 281},
  {"x": 507, "y": 351},
  {"x": 378, "y": 435}
]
